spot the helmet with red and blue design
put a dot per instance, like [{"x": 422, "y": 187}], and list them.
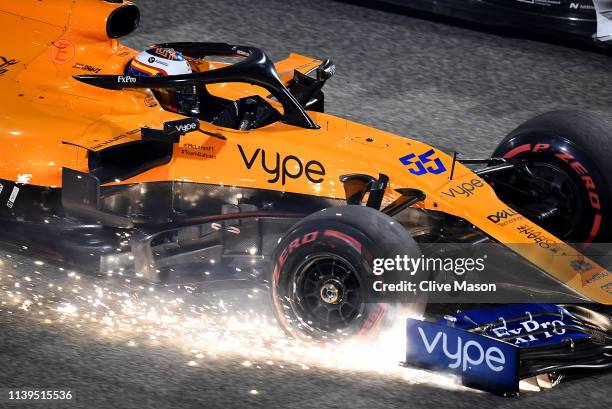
[{"x": 158, "y": 61}]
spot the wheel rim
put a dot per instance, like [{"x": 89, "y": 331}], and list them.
[
  {"x": 567, "y": 195},
  {"x": 556, "y": 190},
  {"x": 327, "y": 293}
]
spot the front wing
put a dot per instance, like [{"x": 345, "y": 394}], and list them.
[{"x": 496, "y": 347}]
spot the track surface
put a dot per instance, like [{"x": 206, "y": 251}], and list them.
[{"x": 448, "y": 85}]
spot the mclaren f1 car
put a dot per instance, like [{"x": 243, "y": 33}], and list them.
[
  {"x": 585, "y": 19},
  {"x": 262, "y": 187}
]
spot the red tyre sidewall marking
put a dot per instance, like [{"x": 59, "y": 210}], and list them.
[
  {"x": 519, "y": 149},
  {"x": 344, "y": 237},
  {"x": 374, "y": 319},
  {"x": 577, "y": 167}
]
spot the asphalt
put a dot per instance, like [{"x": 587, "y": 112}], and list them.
[{"x": 122, "y": 344}]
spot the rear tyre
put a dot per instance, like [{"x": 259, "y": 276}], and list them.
[
  {"x": 566, "y": 185},
  {"x": 321, "y": 270}
]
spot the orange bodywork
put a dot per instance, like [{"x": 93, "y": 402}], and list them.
[{"x": 50, "y": 121}]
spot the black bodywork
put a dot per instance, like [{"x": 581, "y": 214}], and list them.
[{"x": 159, "y": 231}]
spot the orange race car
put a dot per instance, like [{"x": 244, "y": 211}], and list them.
[{"x": 174, "y": 167}]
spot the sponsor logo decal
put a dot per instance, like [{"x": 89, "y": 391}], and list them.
[
  {"x": 492, "y": 357},
  {"x": 181, "y": 126},
  {"x": 114, "y": 139},
  {"x": 481, "y": 362},
  {"x": 62, "y": 51},
  {"x": 153, "y": 60},
  {"x": 5, "y": 64},
  {"x": 86, "y": 67},
  {"x": 465, "y": 189},
  {"x": 504, "y": 217},
  {"x": 126, "y": 79},
  {"x": 282, "y": 168},
  {"x": 424, "y": 163},
  {"x": 587, "y": 272},
  {"x": 200, "y": 151},
  {"x": 186, "y": 127},
  {"x": 12, "y": 197},
  {"x": 531, "y": 330},
  {"x": 580, "y": 6},
  {"x": 593, "y": 276},
  {"x": 581, "y": 266},
  {"x": 538, "y": 237},
  {"x": 167, "y": 53}
]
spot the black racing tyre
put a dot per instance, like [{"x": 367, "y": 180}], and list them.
[
  {"x": 321, "y": 267},
  {"x": 566, "y": 185}
]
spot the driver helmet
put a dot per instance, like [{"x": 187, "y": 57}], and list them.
[{"x": 157, "y": 61}]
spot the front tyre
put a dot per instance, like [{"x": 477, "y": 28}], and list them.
[
  {"x": 566, "y": 184},
  {"x": 321, "y": 268}
]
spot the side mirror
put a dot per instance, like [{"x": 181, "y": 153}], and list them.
[{"x": 326, "y": 70}]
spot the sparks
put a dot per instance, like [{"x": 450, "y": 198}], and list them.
[{"x": 204, "y": 327}]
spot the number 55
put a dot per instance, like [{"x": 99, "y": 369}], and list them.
[{"x": 418, "y": 167}]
